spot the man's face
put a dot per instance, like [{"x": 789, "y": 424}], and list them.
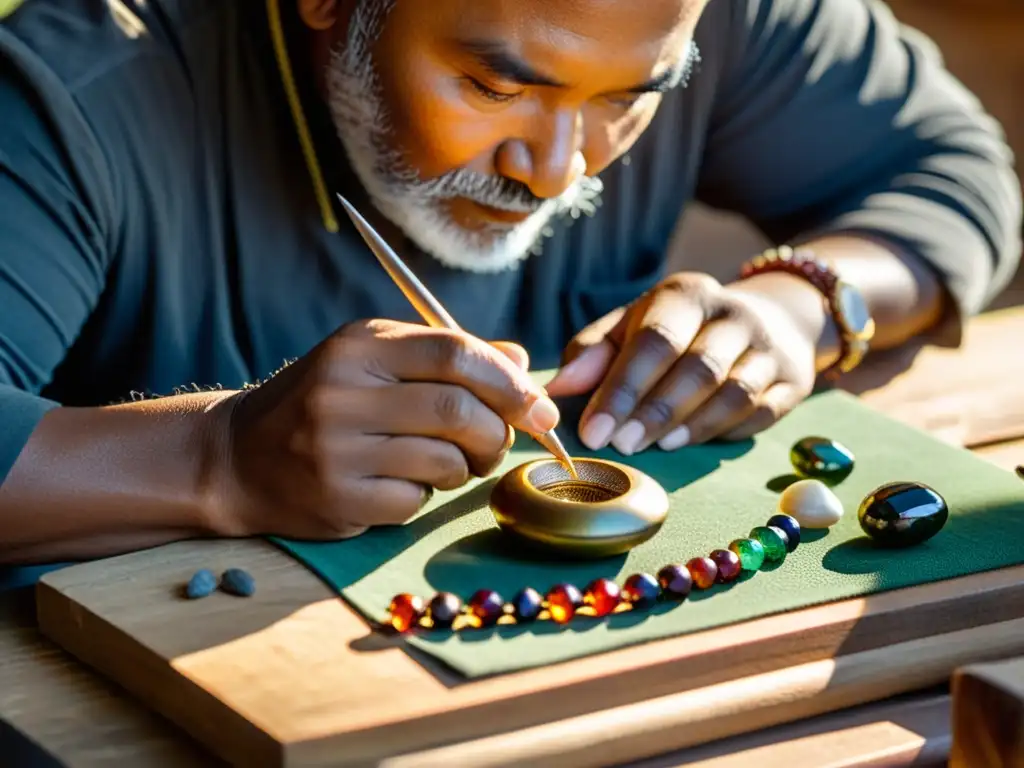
[{"x": 472, "y": 123}]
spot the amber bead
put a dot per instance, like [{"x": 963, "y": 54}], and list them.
[
  {"x": 443, "y": 608},
  {"x": 527, "y": 604},
  {"x": 675, "y": 581},
  {"x": 640, "y": 590},
  {"x": 728, "y": 564},
  {"x": 602, "y": 595},
  {"x": 487, "y": 606},
  {"x": 562, "y": 601},
  {"x": 703, "y": 571},
  {"x": 406, "y": 611}
]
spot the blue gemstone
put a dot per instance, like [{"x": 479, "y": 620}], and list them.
[
  {"x": 202, "y": 583},
  {"x": 235, "y": 581},
  {"x": 527, "y": 604},
  {"x": 641, "y": 589},
  {"x": 788, "y": 526}
]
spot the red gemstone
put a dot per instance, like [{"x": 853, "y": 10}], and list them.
[
  {"x": 703, "y": 571},
  {"x": 486, "y": 605},
  {"x": 602, "y": 595},
  {"x": 562, "y": 602},
  {"x": 406, "y": 610},
  {"x": 728, "y": 564}
]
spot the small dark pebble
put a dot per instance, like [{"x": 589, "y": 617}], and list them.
[
  {"x": 235, "y": 581},
  {"x": 202, "y": 583}
]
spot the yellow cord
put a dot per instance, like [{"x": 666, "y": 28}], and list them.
[{"x": 305, "y": 139}]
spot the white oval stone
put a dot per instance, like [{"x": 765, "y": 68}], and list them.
[{"x": 811, "y": 503}]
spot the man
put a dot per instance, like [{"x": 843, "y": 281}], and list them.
[{"x": 168, "y": 218}]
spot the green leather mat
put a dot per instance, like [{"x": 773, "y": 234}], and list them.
[{"x": 718, "y": 493}]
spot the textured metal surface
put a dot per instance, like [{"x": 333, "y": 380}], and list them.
[{"x": 597, "y": 482}]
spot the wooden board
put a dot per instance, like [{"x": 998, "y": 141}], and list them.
[
  {"x": 898, "y": 733},
  {"x": 293, "y": 676},
  {"x": 77, "y": 717},
  {"x": 988, "y": 715}
]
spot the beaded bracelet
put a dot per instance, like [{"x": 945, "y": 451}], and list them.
[{"x": 766, "y": 544}]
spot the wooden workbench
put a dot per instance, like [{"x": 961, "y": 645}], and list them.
[{"x": 969, "y": 396}]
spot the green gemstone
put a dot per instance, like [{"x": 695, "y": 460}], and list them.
[
  {"x": 821, "y": 458},
  {"x": 750, "y": 552},
  {"x": 772, "y": 540}
]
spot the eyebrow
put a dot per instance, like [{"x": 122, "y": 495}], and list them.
[{"x": 503, "y": 63}]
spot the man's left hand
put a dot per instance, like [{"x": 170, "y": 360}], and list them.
[{"x": 690, "y": 361}]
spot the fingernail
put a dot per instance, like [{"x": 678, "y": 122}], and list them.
[
  {"x": 597, "y": 431},
  {"x": 677, "y": 438},
  {"x": 543, "y": 415},
  {"x": 628, "y": 438}
]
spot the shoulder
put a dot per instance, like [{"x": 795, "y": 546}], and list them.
[{"x": 82, "y": 41}]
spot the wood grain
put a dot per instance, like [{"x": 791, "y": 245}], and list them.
[
  {"x": 78, "y": 717},
  {"x": 902, "y": 731},
  {"x": 988, "y": 715},
  {"x": 293, "y": 675},
  {"x": 969, "y": 396}
]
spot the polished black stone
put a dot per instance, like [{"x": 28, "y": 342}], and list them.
[
  {"x": 822, "y": 459},
  {"x": 527, "y": 604},
  {"x": 444, "y": 607},
  {"x": 789, "y": 526},
  {"x": 902, "y": 514}
]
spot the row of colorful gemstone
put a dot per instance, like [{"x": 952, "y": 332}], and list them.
[{"x": 766, "y": 544}]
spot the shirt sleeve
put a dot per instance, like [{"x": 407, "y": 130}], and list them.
[
  {"x": 54, "y": 235},
  {"x": 831, "y": 117}
]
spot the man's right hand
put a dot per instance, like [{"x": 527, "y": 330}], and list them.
[{"x": 357, "y": 432}]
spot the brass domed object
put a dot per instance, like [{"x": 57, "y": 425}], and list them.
[{"x": 608, "y": 510}]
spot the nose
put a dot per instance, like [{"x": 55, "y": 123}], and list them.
[{"x": 550, "y": 160}]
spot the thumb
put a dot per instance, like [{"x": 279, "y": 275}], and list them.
[
  {"x": 513, "y": 352},
  {"x": 589, "y": 356}
]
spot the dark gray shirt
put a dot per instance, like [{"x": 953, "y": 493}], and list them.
[{"x": 159, "y": 226}]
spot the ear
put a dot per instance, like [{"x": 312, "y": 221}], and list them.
[{"x": 318, "y": 15}]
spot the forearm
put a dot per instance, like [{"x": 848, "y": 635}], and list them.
[
  {"x": 93, "y": 482},
  {"x": 904, "y": 296}
]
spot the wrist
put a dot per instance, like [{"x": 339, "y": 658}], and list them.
[
  {"x": 217, "y": 489},
  {"x": 805, "y": 304}
]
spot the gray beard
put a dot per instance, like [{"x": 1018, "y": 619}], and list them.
[{"x": 419, "y": 207}]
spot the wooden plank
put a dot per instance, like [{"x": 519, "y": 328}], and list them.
[
  {"x": 1009, "y": 454},
  {"x": 969, "y": 396},
  {"x": 294, "y": 676},
  {"x": 905, "y": 731},
  {"x": 77, "y": 716},
  {"x": 893, "y": 734},
  {"x": 988, "y": 715}
]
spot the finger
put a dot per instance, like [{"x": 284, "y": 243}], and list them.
[
  {"x": 443, "y": 411},
  {"x": 418, "y": 353},
  {"x": 733, "y": 402},
  {"x": 588, "y": 356},
  {"x": 375, "y": 501},
  {"x": 435, "y": 463},
  {"x": 669, "y": 323},
  {"x": 694, "y": 378},
  {"x": 514, "y": 352},
  {"x": 777, "y": 401}
]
